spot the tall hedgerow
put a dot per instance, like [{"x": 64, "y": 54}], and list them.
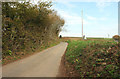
[{"x": 28, "y": 26}]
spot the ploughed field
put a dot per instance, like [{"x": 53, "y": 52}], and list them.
[{"x": 93, "y": 58}]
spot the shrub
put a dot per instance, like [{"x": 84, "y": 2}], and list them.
[
  {"x": 25, "y": 24},
  {"x": 116, "y": 37}
]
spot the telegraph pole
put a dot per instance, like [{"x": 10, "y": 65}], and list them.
[
  {"x": 108, "y": 35},
  {"x": 82, "y": 21}
]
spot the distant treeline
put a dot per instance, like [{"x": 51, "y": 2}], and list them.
[{"x": 28, "y": 26}]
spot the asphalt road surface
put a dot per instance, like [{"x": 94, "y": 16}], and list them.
[{"x": 42, "y": 64}]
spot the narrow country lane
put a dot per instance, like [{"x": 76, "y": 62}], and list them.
[{"x": 42, "y": 64}]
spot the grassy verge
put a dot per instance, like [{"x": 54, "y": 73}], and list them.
[
  {"x": 28, "y": 52},
  {"x": 94, "y": 58}
]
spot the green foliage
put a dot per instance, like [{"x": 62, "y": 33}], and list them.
[
  {"x": 9, "y": 52},
  {"x": 94, "y": 65},
  {"x": 25, "y": 24},
  {"x": 94, "y": 58}
]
